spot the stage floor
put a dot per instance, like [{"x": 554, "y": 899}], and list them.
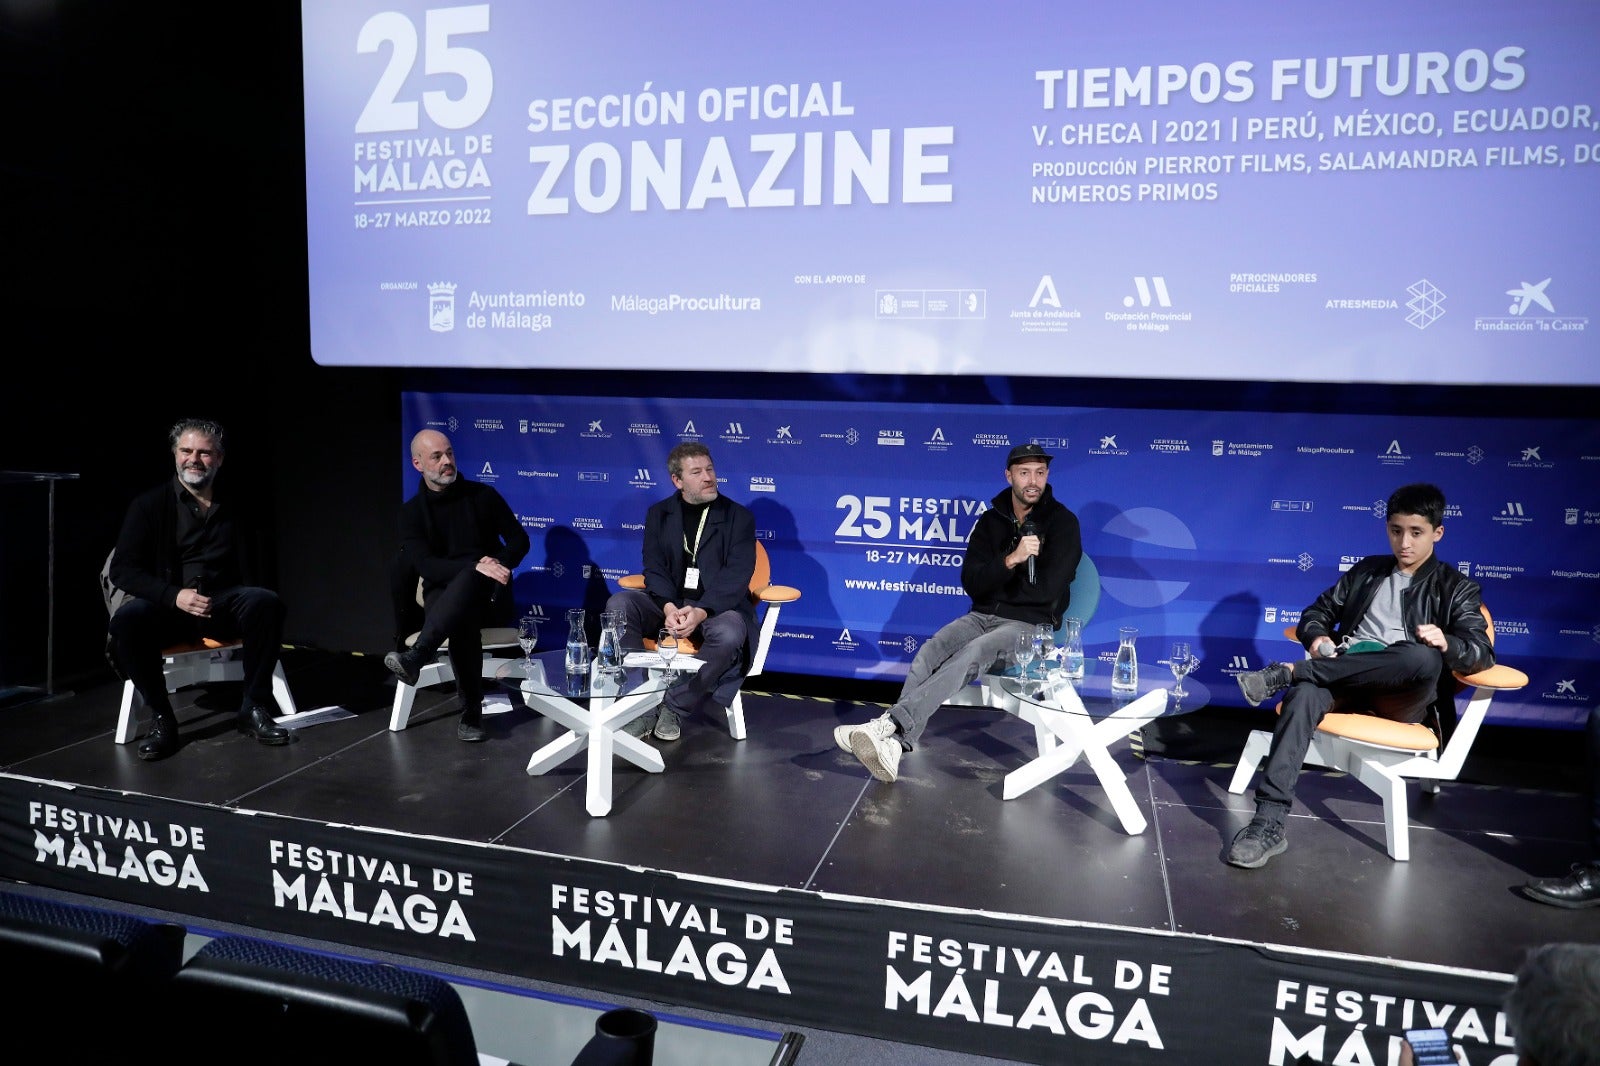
[{"x": 786, "y": 810}]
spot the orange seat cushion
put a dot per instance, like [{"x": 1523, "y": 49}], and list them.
[
  {"x": 204, "y": 644},
  {"x": 1371, "y": 729},
  {"x": 685, "y": 646}
]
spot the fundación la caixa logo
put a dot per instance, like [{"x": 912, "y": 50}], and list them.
[{"x": 1532, "y": 309}]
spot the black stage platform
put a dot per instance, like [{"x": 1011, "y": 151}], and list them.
[{"x": 773, "y": 878}]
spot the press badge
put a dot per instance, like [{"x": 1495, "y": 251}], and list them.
[{"x": 691, "y": 578}]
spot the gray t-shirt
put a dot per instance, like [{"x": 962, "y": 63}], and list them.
[{"x": 1385, "y": 621}]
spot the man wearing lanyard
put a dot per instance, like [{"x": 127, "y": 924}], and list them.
[{"x": 699, "y": 555}]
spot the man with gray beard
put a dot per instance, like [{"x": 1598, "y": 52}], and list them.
[{"x": 186, "y": 557}]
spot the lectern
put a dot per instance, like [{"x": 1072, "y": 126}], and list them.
[{"x": 10, "y": 480}]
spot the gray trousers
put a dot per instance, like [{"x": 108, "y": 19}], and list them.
[{"x": 951, "y": 659}]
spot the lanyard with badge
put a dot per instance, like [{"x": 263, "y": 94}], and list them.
[{"x": 691, "y": 575}]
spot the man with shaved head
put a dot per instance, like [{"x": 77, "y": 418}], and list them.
[{"x": 462, "y": 538}]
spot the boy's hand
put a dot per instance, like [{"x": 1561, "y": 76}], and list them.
[{"x": 1432, "y": 636}]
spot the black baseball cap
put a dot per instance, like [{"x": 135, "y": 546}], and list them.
[{"x": 1023, "y": 453}]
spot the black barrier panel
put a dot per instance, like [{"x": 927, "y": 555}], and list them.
[{"x": 1028, "y": 989}]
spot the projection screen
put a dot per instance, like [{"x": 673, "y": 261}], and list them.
[{"x": 1242, "y": 190}]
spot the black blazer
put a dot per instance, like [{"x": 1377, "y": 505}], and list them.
[{"x": 726, "y": 558}]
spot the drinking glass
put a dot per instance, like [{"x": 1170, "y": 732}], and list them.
[
  {"x": 527, "y": 638},
  {"x": 1044, "y": 644},
  {"x": 1025, "y": 648},
  {"x": 1183, "y": 662},
  {"x": 666, "y": 646}
]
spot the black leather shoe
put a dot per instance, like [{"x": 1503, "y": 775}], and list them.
[
  {"x": 256, "y": 722},
  {"x": 1580, "y": 888},
  {"x": 161, "y": 741},
  {"x": 406, "y": 665}
]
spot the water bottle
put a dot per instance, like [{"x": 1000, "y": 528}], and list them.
[
  {"x": 577, "y": 643},
  {"x": 610, "y": 650},
  {"x": 1125, "y": 668},
  {"x": 1072, "y": 648}
]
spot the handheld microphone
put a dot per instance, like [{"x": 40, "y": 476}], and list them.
[{"x": 1027, "y": 530}]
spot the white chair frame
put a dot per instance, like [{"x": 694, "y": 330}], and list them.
[
  {"x": 1349, "y": 742},
  {"x": 204, "y": 664},
  {"x": 440, "y": 672}
]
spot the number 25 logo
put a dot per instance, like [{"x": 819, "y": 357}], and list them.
[{"x": 385, "y": 111}]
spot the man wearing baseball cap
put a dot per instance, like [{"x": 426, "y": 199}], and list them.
[{"x": 1021, "y": 558}]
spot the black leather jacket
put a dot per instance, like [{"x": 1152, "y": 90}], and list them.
[{"x": 1439, "y": 595}]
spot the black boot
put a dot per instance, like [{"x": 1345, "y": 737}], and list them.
[
  {"x": 162, "y": 740},
  {"x": 256, "y": 722},
  {"x": 407, "y": 665},
  {"x": 470, "y": 728}
]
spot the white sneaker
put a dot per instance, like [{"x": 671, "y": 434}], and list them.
[
  {"x": 842, "y": 733},
  {"x": 879, "y": 752}
]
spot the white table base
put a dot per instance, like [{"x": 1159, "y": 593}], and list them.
[
  {"x": 1065, "y": 736},
  {"x": 597, "y": 727}
]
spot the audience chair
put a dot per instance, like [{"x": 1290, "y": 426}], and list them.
[
  {"x": 768, "y": 600},
  {"x": 440, "y": 672},
  {"x": 84, "y": 981},
  {"x": 245, "y": 1001},
  {"x": 1384, "y": 755}
]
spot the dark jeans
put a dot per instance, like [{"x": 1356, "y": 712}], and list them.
[
  {"x": 721, "y": 638},
  {"x": 458, "y": 612},
  {"x": 141, "y": 629},
  {"x": 1399, "y": 682},
  {"x": 403, "y": 597}
]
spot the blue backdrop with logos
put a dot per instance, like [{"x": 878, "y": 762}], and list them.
[{"x": 1212, "y": 527}]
